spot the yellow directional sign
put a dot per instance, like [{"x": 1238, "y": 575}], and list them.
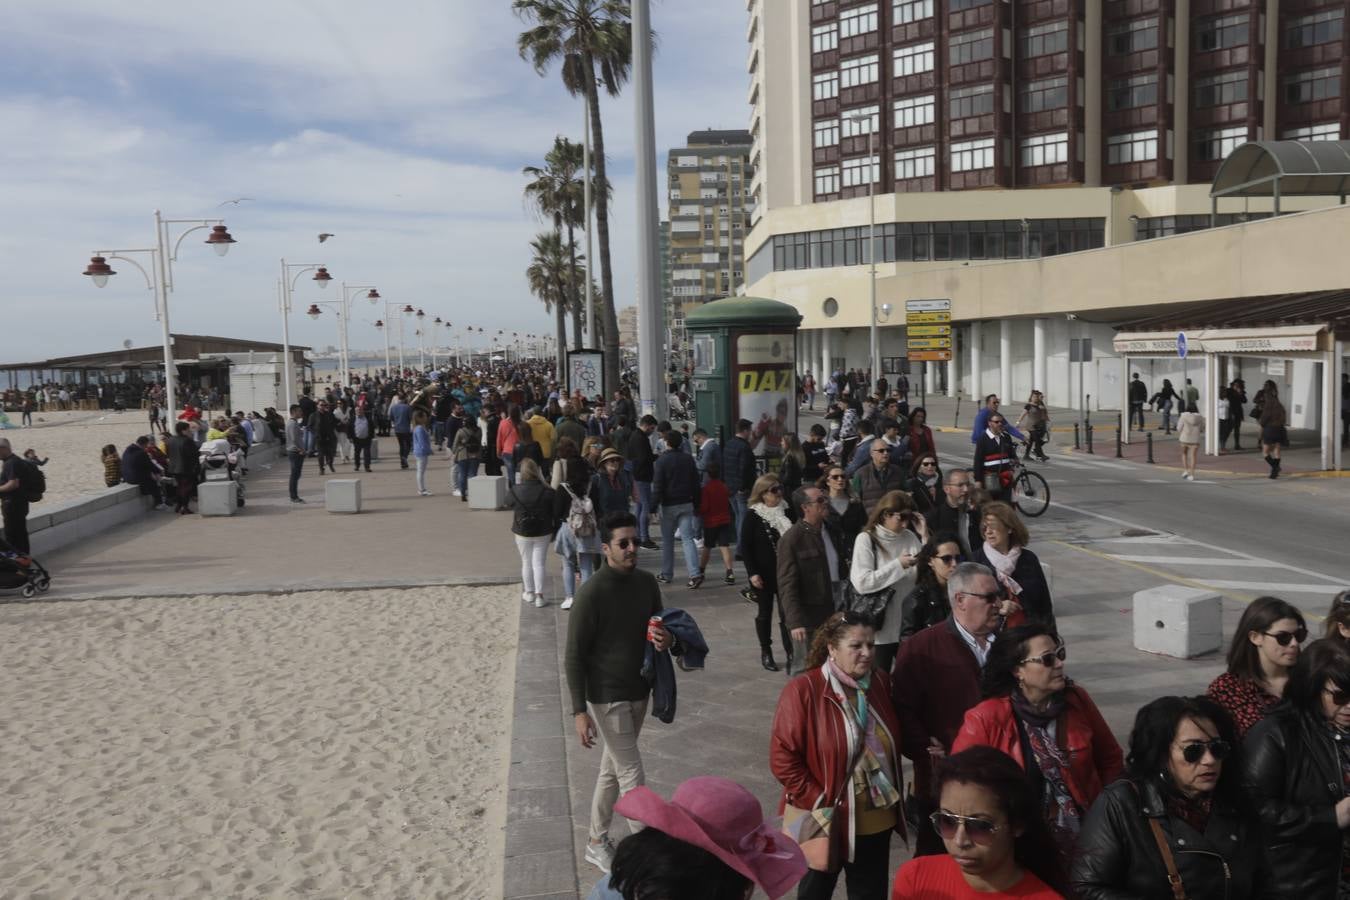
[
  {"x": 929, "y": 330},
  {"x": 927, "y": 318},
  {"x": 930, "y": 343},
  {"x": 930, "y": 355}
]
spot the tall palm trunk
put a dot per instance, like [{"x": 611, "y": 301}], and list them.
[
  {"x": 575, "y": 294},
  {"x": 560, "y": 321},
  {"x": 610, "y": 317}
]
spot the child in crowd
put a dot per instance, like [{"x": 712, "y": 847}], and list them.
[
  {"x": 112, "y": 466},
  {"x": 31, "y": 455}
]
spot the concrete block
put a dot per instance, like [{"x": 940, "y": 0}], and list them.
[
  {"x": 1178, "y": 621},
  {"x": 487, "y": 492},
  {"x": 342, "y": 495},
  {"x": 374, "y": 448},
  {"x": 216, "y": 498}
]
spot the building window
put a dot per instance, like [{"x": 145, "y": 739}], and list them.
[
  {"x": 972, "y": 101},
  {"x": 907, "y": 11},
  {"x": 1311, "y": 30},
  {"x": 859, "y": 70},
  {"x": 1312, "y": 84},
  {"x": 825, "y": 86},
  {"x": 911, "y": 111},
  {"x": 861, "y": 121},
  {"x": 824, "y": 38},
  {"x": 826, "y": 133},
  {"x": 959, "y": 5},
  {"x": 827, "y": 180},
  {"x": 1221, "y": 89},
  {"x": 1048, "y": 93},
  {"x": 1045, "y": 149},
  {"x": 856, "y": 171},
  {"x": 971, "y": 46},
  {"x": 914, "y": 59},
  {"x": 1131, "y": 37},
  {"x": 1131, "y": 93},
  {"x": 1220, "y": 32},
  {"x": 1325, "y": 131},
  {"x": 1217, "y": 143},
  {"x": 856, "y": 21},
  {"x": 968, "y": 156},
  {"x": 1042, "y": 40},
  {"x": 1136, "y": 146},
  {"x": 917, "y": 162}
]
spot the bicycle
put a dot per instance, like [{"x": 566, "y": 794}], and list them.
[{"x": 1030, "y": 491}]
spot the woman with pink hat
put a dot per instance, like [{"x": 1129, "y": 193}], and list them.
[{"x": 710, "y": 841}]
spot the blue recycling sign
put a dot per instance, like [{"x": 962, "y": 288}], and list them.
[{"x": 1181, "y": 345}]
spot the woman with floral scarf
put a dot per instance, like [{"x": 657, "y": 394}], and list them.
[{"x": 1018, "y": 570}]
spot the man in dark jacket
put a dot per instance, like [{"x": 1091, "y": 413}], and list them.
[
  {"x": 955, "y": 515},
  {"x": 880, "y": 478},
  {"x": 994, "y": 459},
  {"x": 739, "y": 473},
  {"x": 183, "y": 464},
  {"x": 323, "y": 426},
  {"x": 676, "y": 491},
  {"x": 569, "y": 426},
  {"x": 138, "y": 470},
  {"x": 804, "y": 581},
  {"x": 640, "y": 464},
  {"x": 940, "y": 668},
  {"x": 1138, "y": 397}
]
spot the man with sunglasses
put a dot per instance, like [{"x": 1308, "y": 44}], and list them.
[
  {"x": 994, "y": 458},
  {"x": 954, "y": 514},
  {"x": 938, "y": 674},
  {"x": 981, "y": 424},
  {"x": 878, "y": 479},
  {"x": 804, "y": 577},
  {"x": 607, "y": 633}
]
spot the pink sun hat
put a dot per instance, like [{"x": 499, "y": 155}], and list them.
[{"x": 723, "y": 818}]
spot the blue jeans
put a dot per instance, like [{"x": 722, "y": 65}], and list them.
[
  {"x": 680, "y": 516},
  {"x": 464, "y": 470},
  {"x": 509, "y": 464},
  {"x": 586, "y": 565},
  {"x": 297, "y": 463},
  {"x": 644, "y": 510},
  {"x": 740, "y": 505}
]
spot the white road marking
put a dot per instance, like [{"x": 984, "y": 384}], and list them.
[
  {"x": 1145, "y": 538},
  {"x": 1274, "y": 587},
  {"x": 1204, "y": 561}
]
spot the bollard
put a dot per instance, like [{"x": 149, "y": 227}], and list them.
[
  {"x": 1087, "y": 410},
  {"x": 1089, "y": 437},
  {"x": 1119, "y": 453},
  {"x": 1077, "y": 444},
  {"x": 1150, "y": 446}
]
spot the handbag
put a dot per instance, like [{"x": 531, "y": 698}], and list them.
[
  {"x": 813, "y": 829},
  {"x": 872, "y": 604}
]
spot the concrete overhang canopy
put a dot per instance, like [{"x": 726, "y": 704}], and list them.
[{"x": 1285, "y": 169}]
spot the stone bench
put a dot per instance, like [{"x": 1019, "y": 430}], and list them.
[
  {"x": 53, "y": 525},
  {"x": 1178, "y": 621}
]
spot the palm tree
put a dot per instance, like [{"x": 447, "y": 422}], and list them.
[
  {"x": 589, "y": 38},
  {"x": 558, "y": 193},
  {"x": 548, "y": 275}
]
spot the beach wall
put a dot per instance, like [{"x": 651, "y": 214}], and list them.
[{"x": 52, "y": 526}]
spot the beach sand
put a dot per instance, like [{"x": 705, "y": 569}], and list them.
[{"x": 322, "y": 744}]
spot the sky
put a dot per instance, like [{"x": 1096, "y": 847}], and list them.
[{"x": 399, "y": 127}]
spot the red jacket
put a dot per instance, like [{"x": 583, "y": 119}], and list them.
[
  {"x": 1095, "y": 759},
  {"x": 809, "y": 746},
  {"x": 939, "y": 680}
]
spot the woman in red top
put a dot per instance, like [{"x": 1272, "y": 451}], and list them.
[
  {"x": 1264, "y": 649},
  {"x": 920, "y": 435},
  {"x": 1047, "y": 725},
  {"x": 508, "y": 432},
  {"x": 997, "y": 845},
  {"x": 714, "y": 511}
]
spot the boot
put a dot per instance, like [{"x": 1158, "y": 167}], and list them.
[
  {"x": 1270, "y": 461},
  {"x": 1275, "y": 467},
  {"x": 766, "y": 660}
]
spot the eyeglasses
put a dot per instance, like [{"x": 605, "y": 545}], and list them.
[
  {"x": 1048, "y": 658},
  {"x": 927, "y": 463},
  {"x": 883, "y": 450},
  {"x": 991, "y": 597},
  {"x": 1284, "y": 637},
  {"x": 981, "y": 831},
  {"x": 775, "y": 489},
  {"x": 838, "y": 478},
  {"x": 1194, "y": 751},
  {"x": 1340, "y": 698},
  {"x": 949, "y": 558},
  {"x": 625, "y": 543}
]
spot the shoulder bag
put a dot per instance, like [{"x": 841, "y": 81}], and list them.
[{"x": 872, "y": 604}]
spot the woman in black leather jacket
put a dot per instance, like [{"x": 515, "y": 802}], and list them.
[
  {"x": 928, "y": 603},
  {"x": 1182, "y": 786},
  {"x": 1298, "y": 763}
]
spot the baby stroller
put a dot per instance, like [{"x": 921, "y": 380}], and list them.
[
  {"x": 221, "y": 462},
  {"x": 21, "y": 573}
]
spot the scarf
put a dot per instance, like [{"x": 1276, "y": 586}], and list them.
[
  {"x": 1003, "y": 564},
  {"x": 774, "y": 516},
  {"x": 1061, "y": 810},
  {"x": 869, "y": 775}
]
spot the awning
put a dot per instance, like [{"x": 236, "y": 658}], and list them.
[{"x": 1276, "y": 339}]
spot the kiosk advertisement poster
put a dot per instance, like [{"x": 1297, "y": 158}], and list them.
[
  {"x": 766, "y": 389},
  {"x": 585, "y": 373}
]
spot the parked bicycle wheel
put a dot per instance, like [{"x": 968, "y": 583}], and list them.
[{"x": 1031, "y": 493}]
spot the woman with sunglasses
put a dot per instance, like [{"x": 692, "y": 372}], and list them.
[
  {"x": 885, "y": 556},
  {"x": 765, "y": 522},
  {"x": 1047, "y": 724},
  {"x": 1264, "y": 649},
  {"x": 925, "y": 482},
  {"x": 835, "y": 749},
  {"x": 845, "y": 516},
  {"x": 1338, "y": 620},
  {"x": 1182, "y": 790},
  {"x": 927, "y": 604},
  {"x": 1298, "y": 771},
  {"x": 1018, "y": 570},
  {"x": 997, "y": 844}
]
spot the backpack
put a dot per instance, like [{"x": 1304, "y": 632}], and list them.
[
  {"x": 581, "y": 515},
  {"x": 32, "y": 482},
  {"x": 531, "y": 519},
  {"x": 473, "y": 444}
]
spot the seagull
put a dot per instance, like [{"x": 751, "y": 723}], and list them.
[
  {"x": 236, "y": 201},
  {"x": 325, "y": 236}
]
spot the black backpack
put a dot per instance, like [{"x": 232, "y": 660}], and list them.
[
  {"x": 473, "y": 441},
  {"x": 531, "y": 518},
  {"x": 32, "y": 483}
]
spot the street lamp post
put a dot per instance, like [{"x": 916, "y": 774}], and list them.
[
  {"x": 348, "y": 297},
  {"x": 650, "y": 357},
  {"x": 873, "y": 175},
  {"x": 161, "y": 281},
  {"x": 421, "y": 350},
  {"x": 321, "y": 278}
]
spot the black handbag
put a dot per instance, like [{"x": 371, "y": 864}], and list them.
[{"x": 872, "y": 604}]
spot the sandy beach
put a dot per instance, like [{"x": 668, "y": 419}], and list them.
[{"x": 322, "y": 744}]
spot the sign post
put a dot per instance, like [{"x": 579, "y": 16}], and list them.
[
  {"x": 928, "y": 332},
  {"x": 1080, "y": 351},
  {"x": 1182, "y": 349}
]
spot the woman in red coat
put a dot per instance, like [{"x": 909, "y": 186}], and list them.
[
  {"x": 1047, "y": 724},
  {"x": 835, "y": 749},
  {"x": 920, "y": 435}
]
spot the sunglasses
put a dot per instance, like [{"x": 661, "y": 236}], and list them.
[
  {"x": 1048, "y": 658},
  {"x": 949, "y": 558},
  {"x": 1340, "y": 698},
  {"x": 1284, "y": 637},
  {"x": 838, "y": 478},
  {"x": 981, "y": 831},
  {"x": 991, "y": 597},
  {"x": 773, "y": 490},
  {"x": 625, "y": 543},
  {"x": 1194, "y": 751},
  {"x": 927, "y": 463}
]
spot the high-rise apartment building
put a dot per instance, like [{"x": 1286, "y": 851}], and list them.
[{"x": 708, "y": 183}]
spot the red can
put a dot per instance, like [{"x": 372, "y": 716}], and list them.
[{"x": 652, "y": 624}]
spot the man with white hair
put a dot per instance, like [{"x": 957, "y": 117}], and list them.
[{"x": 13, "y": 500}]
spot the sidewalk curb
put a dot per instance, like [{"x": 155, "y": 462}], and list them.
[{"x": 271, "y": 590}]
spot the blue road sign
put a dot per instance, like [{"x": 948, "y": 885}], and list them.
[{"x": 1181, "y": 345}]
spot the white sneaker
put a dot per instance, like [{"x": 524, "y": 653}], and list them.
[
  {"x": 600, "y": 855},
  {"x": 527, "y": 596},
  {"x": 539, "y": 601},
  {"x": 567, "y": 603},
  {"x": 455, "y": 493}
]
